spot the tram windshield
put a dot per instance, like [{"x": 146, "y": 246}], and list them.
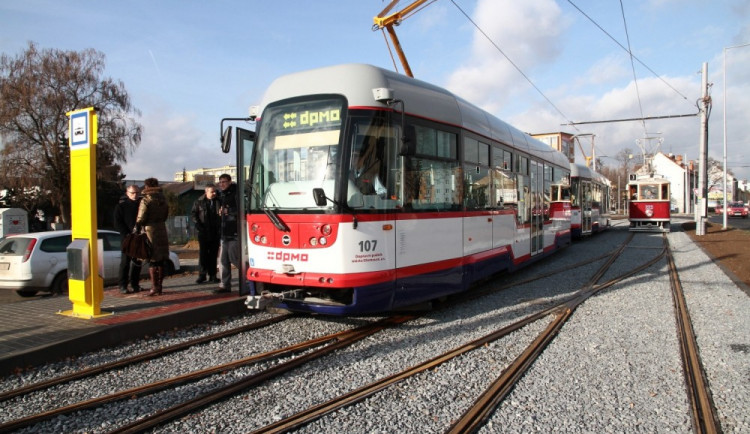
[
  {"x": 560, "y": 192},
  {"x": 308, "y": 144},
  {"x": 298, "y": 149}
]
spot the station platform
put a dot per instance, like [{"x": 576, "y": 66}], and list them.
[{"x": 33, "y": 331}]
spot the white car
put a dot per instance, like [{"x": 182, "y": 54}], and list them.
[{"x": 38, "y": 261}]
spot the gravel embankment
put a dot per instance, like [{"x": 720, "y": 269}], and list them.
[{"x": 614, "y": 367}]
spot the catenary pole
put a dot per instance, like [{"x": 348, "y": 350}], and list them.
[{"x": 701, "y": 212}]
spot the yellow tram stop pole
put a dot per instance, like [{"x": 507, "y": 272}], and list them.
[{"x": 85, "y": 285}]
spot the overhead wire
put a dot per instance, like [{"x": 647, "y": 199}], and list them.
[
  {"x": 627, "y": 50},
  {"x": 514, "y": 64},
  {"x": 632, "y": 66}
]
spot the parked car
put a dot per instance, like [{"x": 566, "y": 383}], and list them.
[
  {"x": 734, "y": 209},
  {"x": 38, "y": 261}
]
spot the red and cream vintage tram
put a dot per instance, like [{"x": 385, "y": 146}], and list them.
[
  {"x": 649, "y": 204},
  {"x": 590, "y": 194},
  {"x": 367, "y": 191}
]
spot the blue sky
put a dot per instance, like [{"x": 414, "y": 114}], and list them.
[{"x": 187, "y": 64}]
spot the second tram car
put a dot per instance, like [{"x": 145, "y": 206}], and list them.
[
  {"x": 649, "y": 203},
  {"x": 590, "y": 194},
  {"x": 368, "y": 191}
]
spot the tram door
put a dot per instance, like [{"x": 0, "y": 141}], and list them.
[
  {"x": 537, "y": 207},
  {"x": 586, "y": 199}
]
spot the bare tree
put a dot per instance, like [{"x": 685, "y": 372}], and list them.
[{"x": 37, "y": 89}]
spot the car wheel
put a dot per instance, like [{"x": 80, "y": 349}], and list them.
[
  {"x": 169, "y": 268},
  {"x": 26, "y": 292},
  {"x": 60, "y": 284}
]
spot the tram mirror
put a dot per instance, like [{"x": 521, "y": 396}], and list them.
[
  {"x": 226, "y": 140},
  {"x": 408, "y": 141},
  {"x": 320, "y": 197}
]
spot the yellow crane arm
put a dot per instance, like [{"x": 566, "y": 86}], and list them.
[{"x": 386, "y": 21}]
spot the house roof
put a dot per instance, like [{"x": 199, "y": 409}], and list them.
[{"x": 178, "y": 188}]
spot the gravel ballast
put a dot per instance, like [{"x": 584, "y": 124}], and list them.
[{"x": 615, "y": 365}]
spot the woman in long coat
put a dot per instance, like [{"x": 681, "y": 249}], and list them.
[{"x": 152, "y": 215}]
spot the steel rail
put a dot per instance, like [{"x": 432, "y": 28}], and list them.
[
  {"x": 483, "y": 407},
  {"x": 173, "y": 381},
  {"x": 560, "y": 310},
  {"x": 699, "y": 394},
  {"x": 137, "y": 358},
  {"x": 255, "y": 379},
  {"x": 304, "y": 417}
]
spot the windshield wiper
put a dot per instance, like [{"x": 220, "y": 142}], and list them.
[{"x": 280, "y": 225}]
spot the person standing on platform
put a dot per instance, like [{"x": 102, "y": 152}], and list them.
[
  {"x": 205, "y": 215},
  {"x": 126, "y": 212},
  {"x": 152, "y": 215},
  {"x": 229, "y": 251}
]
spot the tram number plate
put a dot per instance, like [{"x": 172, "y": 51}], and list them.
[{"x": 4, "y": 265}]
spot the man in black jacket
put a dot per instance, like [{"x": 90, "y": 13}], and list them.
[
  {"x": 230, "y": 248},
  {"x": 126, "y": 212},
  {"x": 205, "y": 215}
]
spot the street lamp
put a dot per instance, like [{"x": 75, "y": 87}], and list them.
[{"x": 724, "y": 208}]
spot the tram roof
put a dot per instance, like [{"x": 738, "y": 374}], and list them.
[
  {"x": 357, "y": 81},
  {"x": 650, "y": 180},
  {"x": 583, "y": 171}
]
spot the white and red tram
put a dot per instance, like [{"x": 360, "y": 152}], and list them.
[
  {"x": 649, "y": 203},
  {"x": 590, "y": 194},
  {"x": 368, "y": 191}
]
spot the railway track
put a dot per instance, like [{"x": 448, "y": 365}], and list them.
[
  {"x": 317, "y": 348},
  {"x": 701, "y": 403},
  {"x": 475, "y": 417},
  {"x": 555, "y": 314},
  {"x": 138, "y": 358},
  {"x": 489, "y": 400}
]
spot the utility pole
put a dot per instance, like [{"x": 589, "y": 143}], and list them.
[
  {"x": 619, "y": 193},
  {"x": 702, "y": 209},
  {"x": 686, "y": 202}
]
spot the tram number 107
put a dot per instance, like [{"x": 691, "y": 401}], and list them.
[{"x": 368, "y": 245}]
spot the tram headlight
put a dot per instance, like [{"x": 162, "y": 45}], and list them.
[
  {"x": 323, "y": 241},
  {"x": 254, "y": 228},
  {"x": 313, "y": 241},
  {"x": 326, "y": 230},
  {"x": 264, "y": 239},
  {"x": 256, "y": 238}
]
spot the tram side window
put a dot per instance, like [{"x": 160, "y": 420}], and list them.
[
  {"x": 665, "y": 191},
  {"x": 523, "y": 215},
  {"x": 546, "y": 191},
  {"x": 597, "y": 196},
  {"x": 374, "y": 166},
  {"x": 476, "y": 175},
  {"x": 432, "y": 180},
  {"x": 506, "y": 191},
  {"x": 555, "y": 193},
  {"x": 566, "y": 193},
  {"x": 575, "y": 185},
  {"x": 502, "y": 159}
]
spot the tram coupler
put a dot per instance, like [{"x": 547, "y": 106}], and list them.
[{"x": 270, "y": 299}]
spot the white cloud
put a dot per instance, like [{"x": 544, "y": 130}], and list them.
[
  {"x": 530, "y": 33},
  {"x": 170, "y": 143},
  {"x": 527, "y": 32}
]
